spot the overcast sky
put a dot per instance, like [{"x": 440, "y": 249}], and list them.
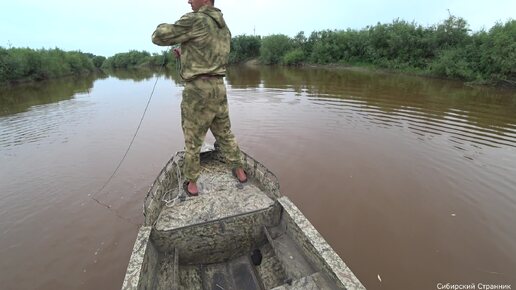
[{"x": 106, "y": 27}]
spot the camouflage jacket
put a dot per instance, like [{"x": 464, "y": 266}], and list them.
[{"x": 204, "y": 38}]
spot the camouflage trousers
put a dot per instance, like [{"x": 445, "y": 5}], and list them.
[{"x": 205, "y": 106}]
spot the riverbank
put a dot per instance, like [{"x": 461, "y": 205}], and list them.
[
  {"x": 447, "y": 50},
  {"x": 511, "y": 84},
  {"x": 367, "y": 68}
]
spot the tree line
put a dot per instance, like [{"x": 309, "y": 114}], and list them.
[
  {"x": 25, "y": 64},
  {"x": 448, "y": 49}
]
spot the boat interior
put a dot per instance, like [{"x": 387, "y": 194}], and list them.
[
  {"x": 253, "y": 250},
  {"x": 231, "y": 236}
]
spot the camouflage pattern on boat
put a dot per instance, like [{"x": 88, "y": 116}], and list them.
[{"x": 232, "y": 236}]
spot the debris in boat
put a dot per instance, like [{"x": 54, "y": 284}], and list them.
[{"x": 256, "y": 257}]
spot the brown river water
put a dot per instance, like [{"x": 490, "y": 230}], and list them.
[{"x": 411, "y": 180}]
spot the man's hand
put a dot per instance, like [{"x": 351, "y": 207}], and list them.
[{"x": 177, "y": 52}]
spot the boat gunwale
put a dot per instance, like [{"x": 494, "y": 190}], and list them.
[{"x": 318, "y": 250}]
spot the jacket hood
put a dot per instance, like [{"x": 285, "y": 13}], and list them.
[{"x": 215, "y": 14}]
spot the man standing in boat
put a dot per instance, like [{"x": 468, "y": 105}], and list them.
[{"x": 205, "y": 44}]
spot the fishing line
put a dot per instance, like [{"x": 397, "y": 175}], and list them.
[{"x": 107, "y": 206}]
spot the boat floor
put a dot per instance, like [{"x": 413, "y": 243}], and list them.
[
  {"x": 236, "y": 274},
  {"x": 220, "y": 196}
]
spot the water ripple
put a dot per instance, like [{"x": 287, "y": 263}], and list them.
[
  {"x": 44, "y": 123},
  {"x": 459, "y": 124}
]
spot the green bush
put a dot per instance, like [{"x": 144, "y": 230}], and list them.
[
  {"x": 274, "y": 47},
  {"x": 497, "y": 49},
  {"x": 452, "y": 63},
  {"x": 444, "y": 50},
  {"x": 244, "y": 47},
  {"x": 98, "y": 61},
  {"x": 293, "y": 57},
  {"x": 452, "y": 32},
  {"x": 129, "y": 59},
  {"x": 134, "y": 59},
  {"x": 18, "y": 64},
  {"x": 483, "y": 56}
]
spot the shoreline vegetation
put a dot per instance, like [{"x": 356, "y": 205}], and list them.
[{"x": 447, "y": 50}]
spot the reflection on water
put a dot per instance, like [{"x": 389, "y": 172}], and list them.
[
  {"x": 485, "y": 116},
  {"x": 144, "y": 74},
  {"x": 18, "y": 98},
  {"x": 409, "y": 179}
]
